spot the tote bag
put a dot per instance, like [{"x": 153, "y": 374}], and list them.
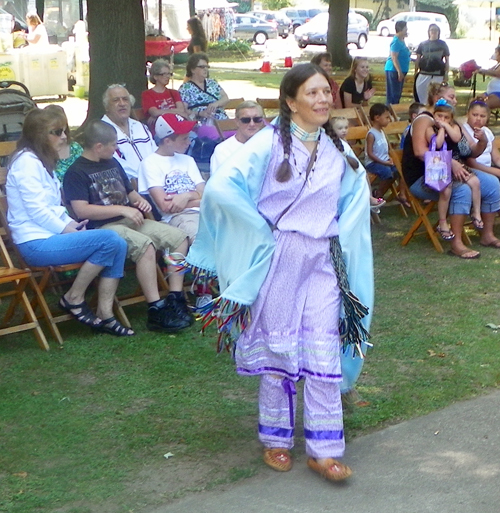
[{"x": 437, "y": 166}]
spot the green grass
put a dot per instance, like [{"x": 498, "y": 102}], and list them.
[{"x": 85, "y": 428}]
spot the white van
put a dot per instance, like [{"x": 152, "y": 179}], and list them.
[{"x": 418, "y": 26}]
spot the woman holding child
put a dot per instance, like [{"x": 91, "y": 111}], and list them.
[
  {"x": 288, "y": 196},
  {"x": 417, "y": 144}
]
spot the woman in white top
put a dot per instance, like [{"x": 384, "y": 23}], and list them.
[
  {"x": 37, "y": 34},
  {"x": 492, "y": 97},
  {"x": 46, "y": 235}
]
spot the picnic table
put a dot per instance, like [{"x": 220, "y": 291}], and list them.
[{"x": 165, "y": 47}]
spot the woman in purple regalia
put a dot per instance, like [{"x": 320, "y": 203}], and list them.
[
  {"x": 294, "y": 331},
  {"x": 270, "y": 231}
]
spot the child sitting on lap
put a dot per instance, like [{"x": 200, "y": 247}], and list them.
[{"x": 446, "y": 129}]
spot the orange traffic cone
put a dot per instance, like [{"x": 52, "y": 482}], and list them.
[{"x": 266, "y": 66}]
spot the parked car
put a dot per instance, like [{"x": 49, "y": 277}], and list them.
[
  {"x": 418, "y": 25},
  {"x": 254, "y": 29},
  {"x": 281, "y": 21},
  {"x": 301, "y": 16},
  {"x": 315, "y": 32}
]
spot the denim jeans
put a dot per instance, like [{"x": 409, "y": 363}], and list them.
[
  {"x": 490, "y": 192},
  {"x": 461, "y": 194},
  {"x": 394, "y": 87},
  {"x": 99, "y": 247},
  {"x": 383, "y": 172}
]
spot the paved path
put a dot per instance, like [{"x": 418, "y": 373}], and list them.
[{"x": 445, "y": 462}]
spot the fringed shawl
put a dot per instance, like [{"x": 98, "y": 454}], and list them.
[{"x": 235, "y": 243}]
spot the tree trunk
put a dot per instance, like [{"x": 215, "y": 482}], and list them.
[
  {"x": 40, "y": 8},
  {"x": 337, "y": 33},
  {"x": 117, "y": 49}
]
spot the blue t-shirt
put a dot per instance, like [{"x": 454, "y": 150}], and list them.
[{"x": 399, "y": 47}]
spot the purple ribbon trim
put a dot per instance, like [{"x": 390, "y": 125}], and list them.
[
  {"x": 298, "y": 375},
  {"x": 324, "y": 435},
  {"x": 276, "y": 431},
  {"x": 289, "y": 389}
]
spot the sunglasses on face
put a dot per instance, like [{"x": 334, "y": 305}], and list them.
[
  {"x": 164, "y": 74},
  {"x": 204, "y": 66},
  {"x": 246, "y": 121},
  {"x": 57, "y": 132}
]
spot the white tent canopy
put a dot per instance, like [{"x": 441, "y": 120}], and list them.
[{"x": 202, "y": 5}]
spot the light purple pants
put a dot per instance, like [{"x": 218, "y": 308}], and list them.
[{"x": 323, "y": 425}]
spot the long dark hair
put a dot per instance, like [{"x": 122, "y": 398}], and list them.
[
  {"x": 35, "y": 136},
  {"x": 198, "y": 32},
  {"x": 289, "y": 87}
]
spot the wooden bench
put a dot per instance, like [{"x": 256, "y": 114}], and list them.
[{"x": 379, "y": 83}]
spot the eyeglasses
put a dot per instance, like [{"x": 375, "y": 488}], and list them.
[
  {"x": 164, "y": 74},
  {"x": 256, "y": 119},
  {"x": 57, "y": 132},
  {"x": 204, "y": 66}
]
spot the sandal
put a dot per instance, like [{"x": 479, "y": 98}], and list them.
[
  {"x": 114, "y": 327},
  {"x": 404, "y": 201},
  {"x": 477, "y": 223},
  {"x": 84, "y": 315},
  {"x": 378, "y": 202},
  {"x": 332, "y": 469},
  {"x": 278, "y": 459},
  {"x": 466, "y": 254},
  {"x": 445, "y": 234}
]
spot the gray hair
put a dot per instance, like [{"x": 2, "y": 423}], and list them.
[
  {"x": 249, "y": 104},
  {"x": 156, "y": 67},
  {"x": 105, "y": 96}
]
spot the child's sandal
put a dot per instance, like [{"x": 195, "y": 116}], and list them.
[
  {"x": 477, "y": 223},
  {"x": 445, "y": 234}
]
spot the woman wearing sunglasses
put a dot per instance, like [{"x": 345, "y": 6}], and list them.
[
  {"x": 159, "y": 99},
  {"x": 69, "y": 150},
  {"x": 46, "y": 235},
  {"x": 249, "y": 120},
  {"x": 202, "y": 95}
]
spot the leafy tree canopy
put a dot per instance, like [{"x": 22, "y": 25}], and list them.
[
  {"x": 274, "y": 5},
  {"x": 445, "y": 7}
]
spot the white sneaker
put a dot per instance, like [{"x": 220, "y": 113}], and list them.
[{"x": 203, "y": 300}]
